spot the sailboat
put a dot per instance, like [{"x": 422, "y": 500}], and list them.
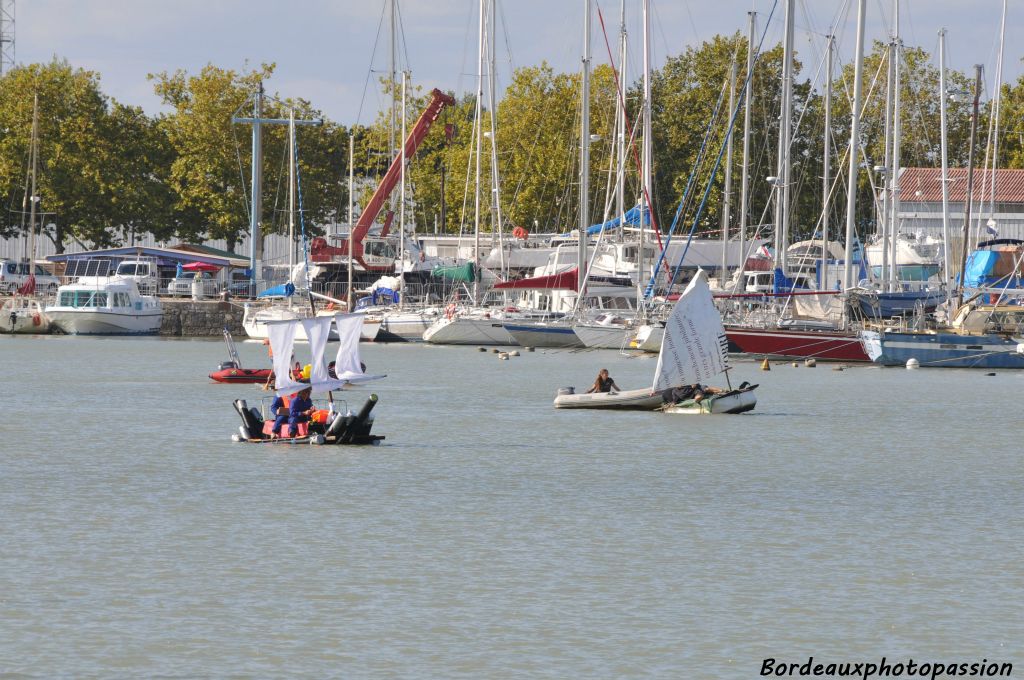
[
  {"x": 24, "y": 313},
  {"x": 332, "y": 426},
  {"x": 694, "y": 349}
]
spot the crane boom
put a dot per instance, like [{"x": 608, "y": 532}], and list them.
[{"x": 319, "y": 250}]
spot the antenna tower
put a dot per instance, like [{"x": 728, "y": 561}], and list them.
[{"x": 6, "y": 35}]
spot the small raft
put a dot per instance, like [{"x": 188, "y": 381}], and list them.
[{"x": 346, "y": 428}]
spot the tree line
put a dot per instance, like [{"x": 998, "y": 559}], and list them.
[{"x": 108, "y": 170}]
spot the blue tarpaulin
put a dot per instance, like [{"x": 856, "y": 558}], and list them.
[
  {"x": 632, "y": 218},
  {"x": 284, "y": 290},
  {"x": 980, "y": 265}
]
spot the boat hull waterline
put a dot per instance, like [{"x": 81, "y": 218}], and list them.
[
  {"x": 787, "y": 344},
  {"x": 945, "y": 350},
  {"x": 733, "y": 401}
]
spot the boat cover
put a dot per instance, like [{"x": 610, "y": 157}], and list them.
[{"x": 567, "y": 280}]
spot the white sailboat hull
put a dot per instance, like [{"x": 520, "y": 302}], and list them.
[
  {"x": 468, "y": 331},
  {"x": 23, "y": 316},
  {"x": 603, "y": 337},
  {"x": 736, "y": 401},
  {"x": 398, "y": 326},
  {"x": 255, "y": 323}
]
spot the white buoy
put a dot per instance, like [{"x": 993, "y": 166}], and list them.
[
  {"x": 913, "y": 363},
  {"x": 810, "y": 363},
  {"x": 1020, "y": 348},
  {"x": 796, "y": 365},
  {"x": 503, "y": 356},
  {"x": 514, "y": 353}
]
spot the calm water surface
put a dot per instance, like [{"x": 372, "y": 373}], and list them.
[{"x": 855, "y": 514}]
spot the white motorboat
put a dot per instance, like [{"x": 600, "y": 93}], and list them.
[{"x": 99, "y": 305}]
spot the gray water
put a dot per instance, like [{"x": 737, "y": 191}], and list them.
[{"x": 854, "y": 515}]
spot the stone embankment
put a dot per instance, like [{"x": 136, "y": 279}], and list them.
[{"x": 199, "y": 319}]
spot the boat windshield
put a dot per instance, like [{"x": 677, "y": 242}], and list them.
[{"x": 83, "y": 298}]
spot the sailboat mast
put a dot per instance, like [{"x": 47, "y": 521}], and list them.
[
  {"x": 496, "y": 234},
  {"x": 393, "y": 74},
  {"x": 997, "y": 107},
  {"x": 584, "y": 154},
  {"x": 970, "y": 185},
  {"x": 883, "y": 219},
  {"x": 897, "y": 133},
  {"x": 646, "y": 209},
  {"x": 947, "y": 256},
  {"x": 401, "y": 204},
  {"x": 745, "y": 173},
  {"x": 727, "y": 189},
  {"x": 826, "y": 162},
  {"x": 785, "y": 132},
  {"x": 255, "y": 237},
  {"x": 33, "y": 198},
  {"x": 479, "y": 144},
  {"x": 351, "y": 219},
  {"x": 291, "y": 190},
  {"x": 620, "y": 122},
  {"x": 851, "y": 187}
]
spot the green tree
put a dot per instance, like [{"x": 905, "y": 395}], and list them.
[{"x": 75, "y": 150}]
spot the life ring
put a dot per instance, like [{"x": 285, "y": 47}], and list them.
[
  {"x": 449, "y": 311},
  {"x": 511, "y": 309},
  {"x": 37, "y": 320},
  {"x": 520, "y": 233},
  {"x": 329, "y": 307}
]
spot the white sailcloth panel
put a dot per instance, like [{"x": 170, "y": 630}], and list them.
[
  {"x": 282, "y": 342},
  {"x": 318, "y": 329},
  {"x": 694, "y": 348},
  {"x": 347, "y": 364}
]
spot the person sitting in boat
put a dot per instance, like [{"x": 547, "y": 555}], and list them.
[
  {"x": 604, "y": 383},
  {"x": 301, "y": 407},
  {"x": 696, "y": 391},
  {"x": 279, "y": 409}
]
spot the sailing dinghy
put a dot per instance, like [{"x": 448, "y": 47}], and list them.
[
  {"x": 330, "y": 424},
  {"x": 694, "y": 349}
]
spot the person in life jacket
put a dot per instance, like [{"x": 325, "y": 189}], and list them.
[{"x": 279, "y": 409}]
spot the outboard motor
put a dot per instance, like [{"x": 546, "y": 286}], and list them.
[
  {"x": 227, "y": 364},
  {"x": 563, "y": 391},
  {"x": 252, "y": 426}
]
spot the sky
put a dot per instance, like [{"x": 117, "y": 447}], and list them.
[{"x": 327, "y": 51}]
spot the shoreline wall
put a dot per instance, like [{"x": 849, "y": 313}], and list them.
[{"x": 200, "y": 319}]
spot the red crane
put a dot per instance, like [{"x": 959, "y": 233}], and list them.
[{"x": 320, "y": 251}]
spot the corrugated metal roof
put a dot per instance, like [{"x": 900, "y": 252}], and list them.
[{"x": 925, "y": 185}]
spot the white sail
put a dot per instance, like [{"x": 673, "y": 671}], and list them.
[
  {"x": 694, "y": 348},
  {"x": 282, "y": 343},
  {"x": 318, "y": 329},
  {"x": 347, "y": 364}
]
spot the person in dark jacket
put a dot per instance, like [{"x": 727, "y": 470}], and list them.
[{"x": 604, "y": 383}]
